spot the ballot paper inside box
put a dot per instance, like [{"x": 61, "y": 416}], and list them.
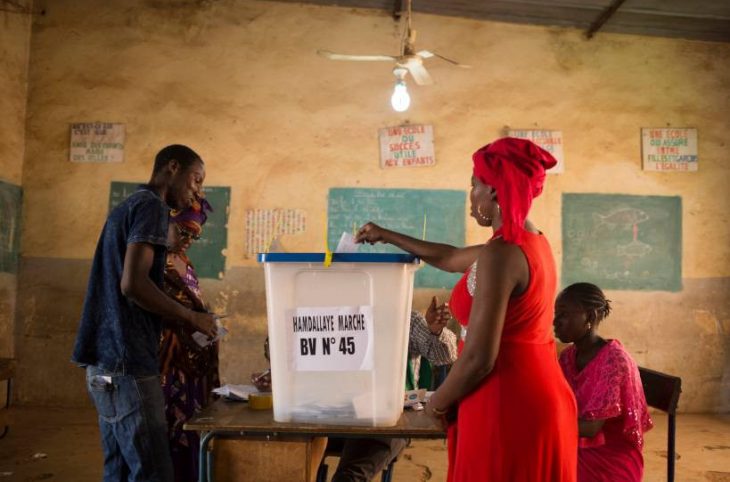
[{"x": 338, "y": 335}]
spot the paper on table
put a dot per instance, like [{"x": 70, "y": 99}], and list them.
[
  {"x": 413, "y": 398},
  {"x": 236, "y": 392},
  {"x": 202, "y": 340},
  {"x": 347, "y": 244}
]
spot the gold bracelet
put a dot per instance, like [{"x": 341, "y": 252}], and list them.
[{"x": 439, "y": 413}]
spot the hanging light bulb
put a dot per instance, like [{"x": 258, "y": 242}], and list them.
[{"x": 400, "y": 100}]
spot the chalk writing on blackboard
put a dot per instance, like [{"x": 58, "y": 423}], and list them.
[
  {"x": 622, "y": 242},
  {"x": 437, "y": 214}
]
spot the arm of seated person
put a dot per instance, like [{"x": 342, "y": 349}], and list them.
[{"x": 589, "y": 428}]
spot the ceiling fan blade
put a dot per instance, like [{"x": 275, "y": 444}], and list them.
[
  {"x": 365, "y": 58},
  {"x": 463, "y": 66},
  {"x": 419, "y": 73}
]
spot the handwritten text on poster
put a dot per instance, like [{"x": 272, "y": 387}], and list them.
[
  {"x": 406, "y": 146},
  {"x": 264, "y": 227},
  {"x": 669, "y": 149},
  {"x": 97, "y": 142}
]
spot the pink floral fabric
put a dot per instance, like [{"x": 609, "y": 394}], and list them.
[{"x": 609, "y": 387}]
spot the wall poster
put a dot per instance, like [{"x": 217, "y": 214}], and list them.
[
  {"x": 265, "y": 226},
  {"x": 406, "y": 146},
  {"x": 96, "y": 142},
  {"x": 669, "y": 149}
]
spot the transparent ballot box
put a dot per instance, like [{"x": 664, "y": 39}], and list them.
[{"x": 338, "y": 335}]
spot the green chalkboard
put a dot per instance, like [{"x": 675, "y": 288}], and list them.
[
  {"x": 623, "y": 242},
  {"x": 119, "y": 191},
  {"x": 402, "y": 210},
  {"x": 206, "y": 253},
  {"x": 11, "y": 199}
]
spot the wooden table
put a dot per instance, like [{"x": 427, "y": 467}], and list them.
[{"x": 235, "y": 419}]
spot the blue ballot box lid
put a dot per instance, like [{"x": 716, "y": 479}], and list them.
[{"x": 338, "y": 258}]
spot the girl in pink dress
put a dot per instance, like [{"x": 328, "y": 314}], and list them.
[{"x": 612, "y": 411}]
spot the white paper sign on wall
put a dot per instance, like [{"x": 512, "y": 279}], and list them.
[
  {"x": 406, "y": 146},
  {"x": 551, "y": 141},
  {"x": 670, "y": 149},
  {"x": 97, "y": 142},
  {"x": 264, "y": 228},
  {"x": 337, "y": 338}
]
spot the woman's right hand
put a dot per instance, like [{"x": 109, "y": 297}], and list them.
[{"x": 370, "y": 233}]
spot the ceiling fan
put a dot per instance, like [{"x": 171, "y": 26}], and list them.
[{"x": 409, "y": 60}]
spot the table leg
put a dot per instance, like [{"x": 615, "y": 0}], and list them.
[{"x": 204, "y": 457}]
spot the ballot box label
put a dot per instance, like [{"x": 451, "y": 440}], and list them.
[{"x": 330, "y": 338}]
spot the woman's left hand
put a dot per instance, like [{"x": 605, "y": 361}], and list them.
[{"x": 438, "y": 414}]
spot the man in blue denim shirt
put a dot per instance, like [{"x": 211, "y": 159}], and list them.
[{"x": 120, "y": 325}]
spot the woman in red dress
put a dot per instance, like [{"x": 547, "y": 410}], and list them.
[{"x": 516, "y": 413}]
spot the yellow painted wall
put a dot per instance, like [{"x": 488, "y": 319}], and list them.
[
  {"x": 239, "y": 82},
  {"x": 14, "y": 49}
]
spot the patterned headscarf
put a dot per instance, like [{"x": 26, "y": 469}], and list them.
[
  {"x": 515, "y": 168},
  {"x": 193, "y": 217}
]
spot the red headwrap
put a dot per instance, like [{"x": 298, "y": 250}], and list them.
[{"x": 515, "y": 168}]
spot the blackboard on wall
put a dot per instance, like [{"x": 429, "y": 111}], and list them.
[
  {"x": 622, "y": 242},
  {"x": 206, "y": 253},
  {"x": 11, "y": 200},
  {"x": 402, "y": 210}
]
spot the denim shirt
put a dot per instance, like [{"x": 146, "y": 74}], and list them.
[{"x": 114, "y": 333}]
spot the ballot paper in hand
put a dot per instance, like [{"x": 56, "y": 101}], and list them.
[
  {"x": 347, "y": 244},
  {"x": 202, "y": 339}
]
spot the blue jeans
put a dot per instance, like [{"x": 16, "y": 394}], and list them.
[{"x": 132, "y": 425}]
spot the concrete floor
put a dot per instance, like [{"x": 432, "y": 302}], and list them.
[{"x": 62, "y": 445}]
